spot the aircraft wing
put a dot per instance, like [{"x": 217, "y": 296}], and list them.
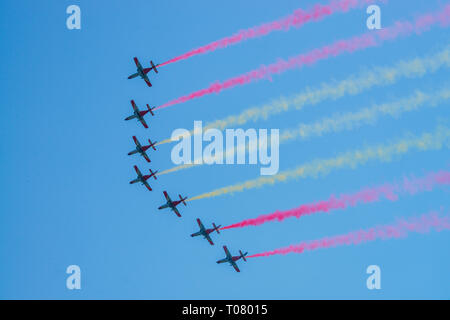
[
  {"x": 138, "y": 64},
  {"x": 135, "y": 108},
  {"x": 143, "y": 122},
  {"x": 147, "y": 81},
  {"x": 147, "y": 185},
  {"x": 209, "y": 239},
  {"x": 136, "y": 141},
  {"x": 146, "y": 157},
  {"x": 200, "y": 224},
  {"x": 138, "y": 171},
  {"x": 235, "y": 266},
  {"x": 174, "y": 209},
  {"x": 167, "y": 197},
  {"x": 227, "y": 252}
]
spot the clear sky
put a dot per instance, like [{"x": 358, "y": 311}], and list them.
[{"x": 65, "y": 197}]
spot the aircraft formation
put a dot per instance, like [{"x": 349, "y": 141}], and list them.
[{"x": 143, "y": 179}]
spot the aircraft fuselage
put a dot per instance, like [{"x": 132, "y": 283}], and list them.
[
  {"x": 135, "y": 115},
  {"x": 198, "y": 234},
  {"x": 230, "y": 260},
  {"x": 203, "y": 233},
  {"x": 167, "y": 205}
]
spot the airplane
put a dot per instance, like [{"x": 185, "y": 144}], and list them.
[
  {"x": 232, "y": 259},
  {"x": 205, "y": 232},
  {"x": 140, "y": 114},
  {"x": 143, "y": 179},
  {"x": 142, "y": 72},
  {"x": 141, "y": 149},
  {"x": 173, "y": 204}
]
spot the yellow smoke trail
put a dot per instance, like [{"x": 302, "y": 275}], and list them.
[
  {"x": 178, "y": 168},
  {"x": 352, "y": 120},
  {"x": 383, "y": 152},
  {"x": 347, "y": 121},
  {"x": 353, "y": 85}
]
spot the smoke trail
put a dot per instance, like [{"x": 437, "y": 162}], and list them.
[
  {"x": 353, "y": 85},
  {"x": 297, "y": 19},
  {"x": 390, "y": 191},
  {"x": 178, "y": 168},
  {"x": 352, "y": 159},
  {"x": 371, "y": 39},
  {"x": 400, "y": 229},
  {"x": 351, "y": 120},
  {"x": 340, "y": 122}
]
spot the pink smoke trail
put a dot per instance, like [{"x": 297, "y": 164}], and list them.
[
  {"x": 370, "y": 39},
  {"x": 367, "y": 195},
  {"x": 399, "y": 230},
  {"x": 296, "y": 19}
]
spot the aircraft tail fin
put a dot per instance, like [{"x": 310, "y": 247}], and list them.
[
  {"x": 182, "y": 200},
  {"x": 153, "y": 66},
  {"x": 243, "y": 255},
  {"x": 150, "y": 110},
  {"x": 216, "y": 228},
  {"x": 152, "y": 144},
  {"x": 154, "y": 173}
]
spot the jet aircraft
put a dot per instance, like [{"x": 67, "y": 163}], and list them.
[
  {"x": 232, "y": 259},
  {"x": 143, "y": 179},
  {"x": 142, "y": 72},
  {"x": 142, "y": 149},
  {"x": 172, "y": 204},
  {"x": 140, "y": 114},
  {"x": 205, "y": 232}
]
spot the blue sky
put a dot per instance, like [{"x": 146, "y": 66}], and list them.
[{"x": 65, "y": 197}]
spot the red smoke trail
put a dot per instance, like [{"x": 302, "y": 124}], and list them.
[
  {"x": 367, "y": 195},
  {"x": 297, "y": 19},
  {"x": 399, "y": 230},
  {"x": 370, "y": 39}
]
